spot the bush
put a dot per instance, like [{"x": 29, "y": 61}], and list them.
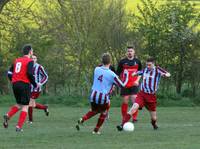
[{"x": 187, "y": 93}]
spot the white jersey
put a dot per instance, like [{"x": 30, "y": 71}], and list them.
[
  {"x": 40, "y": 77},
  {"x": 104, "y": 79}
]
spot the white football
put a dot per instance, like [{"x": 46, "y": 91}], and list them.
[{"x": 128, "y": 126}]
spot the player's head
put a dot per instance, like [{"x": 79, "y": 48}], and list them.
[
  {"x": 130, "y": 52},
  {"x": 34, "y": 58},
  {"x": 27, "y": 50},
  {"x": 150, "y": 63},
  {"x": 106, "y": 59}
]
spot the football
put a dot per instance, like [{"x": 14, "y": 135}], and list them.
[{"x": 128, "y": 126}]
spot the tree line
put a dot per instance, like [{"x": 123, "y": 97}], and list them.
[{"x": 69, "y": 37}]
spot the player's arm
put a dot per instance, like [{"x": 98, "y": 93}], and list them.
[
  {"x": 30, "y": 74},
  {"x": 163, "y": 72},
  {"x": 10, "y": 72},
  {"x": 138, "y": 73},
  {"x": 118, "y": 82},
  {"x": 44, "y": 75}
]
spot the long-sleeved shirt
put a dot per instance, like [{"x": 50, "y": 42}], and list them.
[
  {"x": 151, "y": 79},
  {"x": 40, "y": 75}
]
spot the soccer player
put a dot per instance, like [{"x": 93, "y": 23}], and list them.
[
  {"x": 147, "y": 95},
  {"x": 41, "y": 78},
  {"x": 103, "y": 81},
  {"x": 21, "y": 75},
  {"x": 131, "y": 64}
]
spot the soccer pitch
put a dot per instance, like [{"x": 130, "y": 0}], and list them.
[{"x": 179, "y": 128}]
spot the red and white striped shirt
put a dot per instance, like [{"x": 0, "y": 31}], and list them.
[
  {"x": 40, "y": 77},
  {"x": 151, "y": 79}
]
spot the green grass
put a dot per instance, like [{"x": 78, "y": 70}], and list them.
[{"x": 179, "y": 129}]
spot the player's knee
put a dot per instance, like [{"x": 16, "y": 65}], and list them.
[
  {"x": 25, "y": 108},
  {"x": 153, "y": 116},
  {"x": 135, "y": 106},
  {"x": 18, "y": 106},
  {"x": 125, "y": 100}
]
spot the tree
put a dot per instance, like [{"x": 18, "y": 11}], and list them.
[{"x": 2, "y": 4}]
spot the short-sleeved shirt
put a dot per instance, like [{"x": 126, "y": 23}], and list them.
[
  {"x": 20, "y": 69},
  {"x": 133, "y": 65},
  {"x": 103, "y": 81}
]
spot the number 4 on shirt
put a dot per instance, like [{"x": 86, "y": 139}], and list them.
[{"x": 100, "y": 78}]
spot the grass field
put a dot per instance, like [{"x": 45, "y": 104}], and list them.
[{"x": 179, "y": 129}]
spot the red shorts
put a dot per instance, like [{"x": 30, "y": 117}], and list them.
[
  {"x": 147, "y": 100},
  {"x": 100, "y": 107},
  {"x": 35, "y": 95}
]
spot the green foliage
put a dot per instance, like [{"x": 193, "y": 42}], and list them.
[{"x": 70, "y": 36}]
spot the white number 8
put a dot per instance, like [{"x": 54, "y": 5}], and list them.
[{"x": 18, "y": 67}]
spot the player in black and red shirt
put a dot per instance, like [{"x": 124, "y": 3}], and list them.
[
  {"x": 132, "y": 64},
  {"x": 21, "y": 75}
]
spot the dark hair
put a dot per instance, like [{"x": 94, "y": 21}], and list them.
[
  {"x": 151, "y": 59},
  {"x": 130, "y": 47},
  {"x": 106, "y": 58},
  {"x": 34, "y": 55},
  {"x": 26, "y": 49}
]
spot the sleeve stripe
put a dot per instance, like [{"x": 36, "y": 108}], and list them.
[
  {"x": 118, "y": 82},
  {"x": 44, "y": 79},
  {"x": 162, "y": 70}
]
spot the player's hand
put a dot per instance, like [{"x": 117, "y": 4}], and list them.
[
  {"x": 126, "y": 72},
  {"x": 167, "y": 74},
  {"x": 136, "y": 83},
  {"x": 39, "y": 85},
  {"x": 113, "y": 88},
  {"x": 134, "y": 74}
]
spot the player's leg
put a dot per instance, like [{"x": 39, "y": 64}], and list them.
[
  {"x": 22, "y": 117},
  {"x": 30, "y": 110},
  {"x": 42, "y": 107},
  {"x": 92, "y": 112},
  {"x": 154, "y": 119},
  {"x": 151, "y": 106},
  {"x": 13, "y": 110},
  {"x": 139, "y": 103},
  {"x": 103, "y": 114},
  {"x": 132, "y": 111},
  {"x": 128, "y": 116},
  {"x": 124, "y": 106},
  {"x": 25, "y": 99},
  {"x": 134, "y": 116},
  {"x": 35, "y": 95}
]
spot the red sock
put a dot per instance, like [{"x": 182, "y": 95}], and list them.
[
  {"x": 89, "y": 115},
  {"x": 22, "y": 119},
  {"x": 126, "y": 118},
  {"x": 100, "y": 121},
  {"x": 30, "y": 113},
  {"x": 134, "y": 116},
  {"x": 124, "y": 109},
  {"x": 40, "y": 106},
  {"x": 12, "y": 111}
]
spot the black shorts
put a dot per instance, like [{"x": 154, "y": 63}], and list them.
[
  {"x": 100, "y": 107},
  {"x": 129, "y": 91},
  {"x": 22, "y": 92}
]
